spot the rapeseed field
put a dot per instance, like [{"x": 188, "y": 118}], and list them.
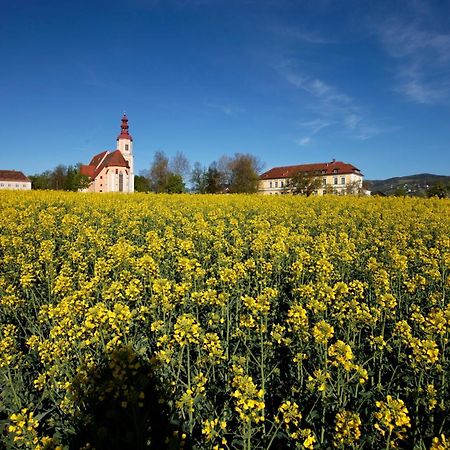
[{"x": 223, "y": 322}]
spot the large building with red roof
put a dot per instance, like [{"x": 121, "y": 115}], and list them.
[
  {"x": 113, "y": 171},
  {"x": 335, "y": 177},
  {"x": 14, "y": 180}
]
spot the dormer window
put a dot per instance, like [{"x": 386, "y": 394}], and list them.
[
  {"x": 324, "y": 171},
  {"x": 335, "y": 170}
]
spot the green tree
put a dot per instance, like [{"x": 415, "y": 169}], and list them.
[
  {"x": 439, "y": 190},
  {"x": 180, "y": 165},
  {"x": 244, "y": 169},
  {"x": 214, "y": 180},
  {"x": 175, "y": 184},
  {"x": 159, "y": 172},
  {"x": 400, "y": 191},
  {"x": 81, "y": 181},
  {"x": 58, "y": 178},
  {"x": 354, "y": 188},
  {"x": 198, "y": 178},
  {"x": 304, "y": 183},
  {"x": 41, "y": 181},
  {"x": 141, "y": 183}
]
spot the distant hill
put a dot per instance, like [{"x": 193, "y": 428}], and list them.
[{"x": 411, "y": 184}]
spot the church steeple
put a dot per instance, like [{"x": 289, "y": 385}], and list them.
[
  {"x": 125, "y": 145},
  {"x": 124, "y": 134}
]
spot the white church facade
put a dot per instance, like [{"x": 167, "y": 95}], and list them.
[{"x": 113, "y": 171}]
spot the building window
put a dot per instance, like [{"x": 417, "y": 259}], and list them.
[
  {"x": 342, "y": 180},
  {"x": 117, "y": 171},
  {"x": 335, "y": 170},
  {"x": 282, "y": 184},
  {"x": 126, "y": 147},
  {"x": 335, "y": 180},
  {"x": 324, "y": 171},
  {"x": 324, "y": 181},
  {"x": 24, "y": 185},
  {"x": 121, "y": 182},
  {"x": 270, "y": 184},
  {"x": 17, "y": 185},
  {"x": 101, "y": 178},
  {"x": 276, "y": 184}
]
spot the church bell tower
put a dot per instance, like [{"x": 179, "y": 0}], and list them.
[{"x": 125, "y": 145}]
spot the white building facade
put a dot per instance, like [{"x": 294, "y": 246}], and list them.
[
  {"x": 14, "y": 180},
  {"x": 336, "y": 177}
]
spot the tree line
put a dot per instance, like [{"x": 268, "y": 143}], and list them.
[
  {"x": 236, "y": 174},
  {"x": 61, "y": 178}
]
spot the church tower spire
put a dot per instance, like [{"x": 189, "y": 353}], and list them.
[
  {"x": 124, "y": 134},
  {"x": 125, "y": 145}
]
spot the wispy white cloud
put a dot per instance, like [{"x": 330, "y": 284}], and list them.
[
  {"x": 316, "y": 87},
  {"x": 315, "y": 125},
  {"x": 422, "y": 60},
  {"x": 301, "y": 35},
  {"x": 311, "y": 127},
  {"x": 303, "y": 141},
  {"x": 332, "y": 108},
  {"x": 224, "y": 108}
]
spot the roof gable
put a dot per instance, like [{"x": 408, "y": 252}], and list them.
[
  {"x": 115, "y": 159},
  {"x": 102, "y": 161},
  {"x": 97, "y": 159},
  {"x": 87, "y": 170}
]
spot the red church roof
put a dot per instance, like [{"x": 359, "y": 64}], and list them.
[
  {"x": 97, "y": 159},
  {"x": 100, "y": 161},
  {"x": 115, "y": 159},
  {"x": 87, "y": 170},
  {"x": 329, "y": 168}
]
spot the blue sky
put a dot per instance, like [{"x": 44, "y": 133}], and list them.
[{"x": 290, "y": 81}]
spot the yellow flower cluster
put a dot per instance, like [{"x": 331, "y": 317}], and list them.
[
  {"x": 392, "y": 418},
  {"x": 249, "y": 403},
  {"x": 23, "y": 429},
  {"x": 348, "y": 429}
]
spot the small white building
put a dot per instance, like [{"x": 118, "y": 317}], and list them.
[
  {"x": 113, "y": 171},
  {"x": 335, "y": 177},
  {"x": 14, "y": 180}
]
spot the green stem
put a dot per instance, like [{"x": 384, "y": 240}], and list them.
[{"x": 191, "y": 424}]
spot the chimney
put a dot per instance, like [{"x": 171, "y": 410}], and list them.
[{"x": 333, "y": 161}]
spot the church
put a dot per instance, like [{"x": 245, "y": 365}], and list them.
[{"x": 113, "y": 171}]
